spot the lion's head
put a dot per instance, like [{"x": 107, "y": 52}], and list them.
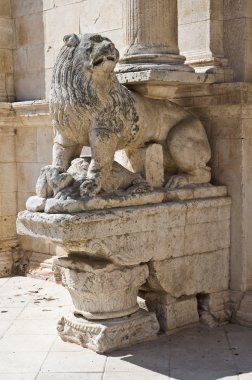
[
  {"x": 92, "y": 51},
  {"x": 83, "y": 56},
  {"x": 84, "y": 87}
]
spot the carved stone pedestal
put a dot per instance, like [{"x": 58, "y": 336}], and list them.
[
  {"x": 173, "y": 245},
  {"x": 109, "y": 334}
]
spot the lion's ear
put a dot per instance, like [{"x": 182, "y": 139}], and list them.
[{"x": 71, "y": 40}]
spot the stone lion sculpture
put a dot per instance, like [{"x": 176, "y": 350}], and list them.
[{"x": 89, "y": 107}]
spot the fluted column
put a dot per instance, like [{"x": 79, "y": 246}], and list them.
[
  {"x": 151, "y": 35},
  {"x": 6, "y": 52}
]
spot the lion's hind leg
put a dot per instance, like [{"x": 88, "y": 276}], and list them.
[{"x": 189, "y": 149}]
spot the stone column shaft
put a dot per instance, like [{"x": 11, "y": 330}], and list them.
[
  {"x": 151, "y": 35},
  {"x": 6, "y": 52}
]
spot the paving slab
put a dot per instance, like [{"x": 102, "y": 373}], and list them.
[{"x": 30, "y": 348}]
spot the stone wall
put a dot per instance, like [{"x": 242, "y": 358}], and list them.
[
  {"x": 226, "y": 113},
  {"x": 8, "y": 189},
  {"x": 40, "y": 26}
]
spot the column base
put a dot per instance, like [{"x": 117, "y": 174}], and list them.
[{"x": 108, "y": 335}]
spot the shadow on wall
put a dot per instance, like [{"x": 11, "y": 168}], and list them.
[
  {"x": 198, "y": 353},
  {"x": 29, "y": 56}
]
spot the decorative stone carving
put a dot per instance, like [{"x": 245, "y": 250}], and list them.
[
  {"x": 107, "y": 335},
  {"x": 89, "y": 107},
  {"x": 106, "y": 315},
  {"x": 100, "y": 290}
]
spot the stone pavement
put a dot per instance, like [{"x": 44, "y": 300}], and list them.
[{"x": 30, "y": 348}]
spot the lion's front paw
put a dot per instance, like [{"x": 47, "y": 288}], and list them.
[
  {"x": 89, "y": 187},
  {"x": 177, "y": 181}
]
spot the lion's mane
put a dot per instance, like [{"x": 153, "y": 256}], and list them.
[{"x": 75, "y": 100}]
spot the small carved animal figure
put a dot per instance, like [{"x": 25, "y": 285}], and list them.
[{"x": 89, "y": 107}]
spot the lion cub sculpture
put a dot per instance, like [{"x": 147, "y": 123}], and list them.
[{"x": 89, "y": 107}]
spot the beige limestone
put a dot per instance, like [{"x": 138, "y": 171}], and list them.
[
  {"x": 107, "y": 291},
  {"x": 244, "y": 315},
  {"x": 105, "y": 241},
  {"x": 184, "y": 163},
  {"x": 108, "y": 335},
  {"x": 226, "y": 112},
  {"x": 175, "y": 313},
  {"x": 147, "y": 47},
  {"x": 237, "y": 38},
  {"x": 201, "y": 36},
  {"x": 191, "y": 274}
]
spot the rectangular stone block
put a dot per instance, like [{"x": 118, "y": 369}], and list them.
[
  {"x": 27, "y": 175},
  {"x": 27, "y": 7},
  {"x": 35, "y": 56},
  {"x": 8, "y": 204},
  {"x": 8, "y": 227},
  {"x": 244, "y": 314},
  {"x": 50, "y": 54},
  {"x": 8, "y": 177},
  {"x": 207, "y": 237},
  {"x": 106, "y": 15},
  {"x": 29, "y": 30},
  {"x": 171, "y": 243},
  {"x": 208, "y": 210},
  {"x": 190, "y": 275},
  {"x": 178, "y": 314},
  {"x": 27, "y": 86},
  {"x": 190, "y": 11},
  {"x": 6, "y": 61},
  {"x": 6, "y": 263},
  {"x": 194, "y": 39},
  {"x": 20, "y": 59},
  {"x": 7, "y": 147},
  {"x": 9, "y": 83},
  {"x": 29, "y": 243},
  {"x": 26, "y": 144},
  {"x": 69, "y": 17},
  {"x": 6, "y": 34},
  {"x": 5, "y": 9},
  {"x": 44, "y": 144}
]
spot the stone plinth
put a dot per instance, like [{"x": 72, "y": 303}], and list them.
[{"x": 173, "y": 249}]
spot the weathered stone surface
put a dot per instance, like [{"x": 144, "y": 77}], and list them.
[
  {"x": 108, "y": 335},
  {"x": 100, "y": 290},
  {"x": 174, "y": 314},
  {"x": 119, "y": 233},
  {"x": 152, "y": 47},
  {"x": 138, "y": 194},
  {"x": 189, "y": 275},
  {"x": 244, "y": 313},
  {"x": 215, "y": 308},
  {"x": 129, "y": 125}
]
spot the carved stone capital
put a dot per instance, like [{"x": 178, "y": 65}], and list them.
[{"x": 100, "y": 290}]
